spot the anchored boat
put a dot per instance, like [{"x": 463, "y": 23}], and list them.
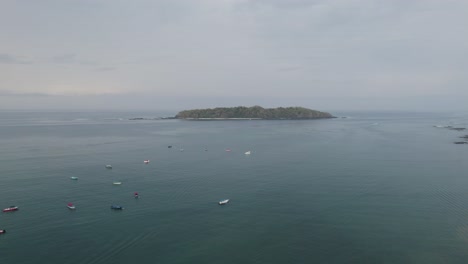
[
  {"x": 116, "y": 207},
  {"x": 223, "y": 202},
  {"x": 11, "y": 209},
  {"x": 71, "y": 206},
  {"x": 2, "y": 231}
]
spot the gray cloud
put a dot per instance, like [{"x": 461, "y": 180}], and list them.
[
  {"x": 12, "y": 59},
  {"x": 65, "y": 58},
  {"x": 71, "y": 58},
  {"x": 7, "y": 93},
  {"x": 226, "y": 48},
  {"x": 282, "y": 4},
  {"x": 104, "y": 69},
  {"x": 290, "y": 68}
]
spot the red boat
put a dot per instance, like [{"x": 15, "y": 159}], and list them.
[
  {"x": 135, "y": 195},
  {"x": 11, "y": 209}
]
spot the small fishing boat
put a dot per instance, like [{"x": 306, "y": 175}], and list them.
[
  {"x": 247, "y": 153},
  {"x": 11, "y": 209},
  {"x": 223, "y": 202},
  {"x": 2, "y": 231},
  {"x": 74, "y": 178},
  {"x": 108, "y": 166},
  {"x": 169, "y": 146},
  {"x": 228, "y": 150},
  {"x": 135, "y": 195},
  {"x": 146, "y": 161},
  {"x": 117, "y": 183},
  {"x": 71, "y": 206},
  {"x": 116, "y": 207}
]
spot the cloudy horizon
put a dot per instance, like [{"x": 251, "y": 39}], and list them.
[{"x": 178, "y": 54}]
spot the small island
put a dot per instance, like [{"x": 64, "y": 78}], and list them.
[{"x": 252, "y": 113}]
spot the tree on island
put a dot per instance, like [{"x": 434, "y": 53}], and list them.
[{"x": 256, "y": 112}]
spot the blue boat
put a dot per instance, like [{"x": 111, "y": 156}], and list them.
[{"x": 116, "y": 207}]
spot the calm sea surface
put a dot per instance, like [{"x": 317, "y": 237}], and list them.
[{"x": 371, "y": 188}]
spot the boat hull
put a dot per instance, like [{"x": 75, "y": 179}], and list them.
[
  {"x": 223, "y": 202},
  {"x": 11, "y": 209}
]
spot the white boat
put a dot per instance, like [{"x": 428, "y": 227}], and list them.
[
  {"x": 247, "y": 153},
  {"x": 71, "y": 206},
  {"x": 223, "y": 202},
  {"x": 146, "y": 161},
  {"x": 108, "y": 166},
  {"x": 74, "y": 178},
  {"x": 117, "y": 183}
]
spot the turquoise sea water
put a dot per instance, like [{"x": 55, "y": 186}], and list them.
[{"x": 371, "y": 188}]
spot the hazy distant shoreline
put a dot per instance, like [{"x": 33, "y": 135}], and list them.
[{"x": 221, "y": 118}]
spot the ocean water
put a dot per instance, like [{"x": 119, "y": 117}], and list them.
[{"x": 370, "y": 188}]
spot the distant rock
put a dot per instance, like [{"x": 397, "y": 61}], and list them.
[{"x": 147, "y": 118}]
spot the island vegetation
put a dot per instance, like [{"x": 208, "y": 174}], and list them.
[{"x": 254, "y": 112}]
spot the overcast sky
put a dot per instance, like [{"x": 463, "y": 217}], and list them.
[{"x": 177, "y": 54}]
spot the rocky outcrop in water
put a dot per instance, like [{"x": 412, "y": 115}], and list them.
[{"x": 255, "y": 112}]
